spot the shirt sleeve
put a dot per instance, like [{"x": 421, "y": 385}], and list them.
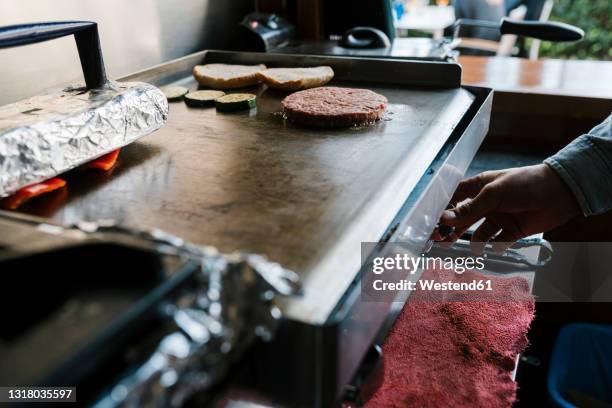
[{"x": 586, "y": 167}]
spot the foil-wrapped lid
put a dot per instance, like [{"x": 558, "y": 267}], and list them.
[
  {"x": 230, "y": 302},
  {"x": 44, "y": 136}
]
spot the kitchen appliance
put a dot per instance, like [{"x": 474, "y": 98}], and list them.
[
  {"x": 248, "y": 181},
  {"x": 262, "y": 32}
]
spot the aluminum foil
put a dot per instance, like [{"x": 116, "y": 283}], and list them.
[
  {"x": 47, "y": 135},
  {"x": 230, "y": 303}
]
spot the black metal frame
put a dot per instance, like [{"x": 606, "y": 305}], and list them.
[{"x": 85, "y": 34}]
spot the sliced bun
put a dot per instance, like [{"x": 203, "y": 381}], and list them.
[
  {"x": 226, "y": 76},
  {"x": 294, "y": 79}
]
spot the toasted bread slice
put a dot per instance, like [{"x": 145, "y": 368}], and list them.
[
  {"x": 225, "y": 76},
  {"x": 293, "y": 79}
]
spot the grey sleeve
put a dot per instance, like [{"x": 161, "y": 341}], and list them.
[{"x": 586, "y": 167}]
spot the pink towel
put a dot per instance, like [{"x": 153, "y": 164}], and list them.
[{"x": 458, "y": 351}]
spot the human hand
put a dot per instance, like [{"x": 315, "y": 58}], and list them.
[{"x": 515, "y": 203}]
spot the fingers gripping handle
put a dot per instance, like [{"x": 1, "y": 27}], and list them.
[{"x": 85, "y": 34}]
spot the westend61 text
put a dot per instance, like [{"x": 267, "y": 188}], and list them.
[{"x": 432, "y": 285}]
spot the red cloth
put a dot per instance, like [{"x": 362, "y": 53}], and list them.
[{"x": 449, "y": 353}]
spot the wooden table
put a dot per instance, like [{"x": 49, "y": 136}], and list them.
[
  {"x": 546, "y": 102},
  {"x": 591, "y": 79}
]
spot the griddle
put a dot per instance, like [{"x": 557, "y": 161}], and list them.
[
  {"x": 250, "y": 181},
  {"x": 306, "y": 198}
]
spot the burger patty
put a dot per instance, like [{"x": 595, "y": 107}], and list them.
[{"x": 334, "y": 107}]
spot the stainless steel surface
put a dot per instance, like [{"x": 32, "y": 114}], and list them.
[
  {"x": 231, "y": 302},
  {"x": 47, "y": 135},
  {"x": 426, "y": 213},
  {"x": 134, "y": 34},
  {"x": 227, "y": 302},
  {"x": 412, "y": 226},
  {"x": 420, "y": 48},
  {"x": 249, "y": 181}
]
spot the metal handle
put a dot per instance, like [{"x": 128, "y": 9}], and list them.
[
  {"x": 85, "y": 34},
  {"x": 378, "y": 38},
  {"x": 542, "y": 30}
]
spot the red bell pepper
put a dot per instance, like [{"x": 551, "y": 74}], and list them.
[
  {"x": 13, "y": 202},
  {"x": 105, "y": 162}
]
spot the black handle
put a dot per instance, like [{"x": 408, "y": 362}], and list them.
[
  {"x": 374, "y": 38},
  {"x": 542, "y": 30},
  {"x": 85, "y": 34}
]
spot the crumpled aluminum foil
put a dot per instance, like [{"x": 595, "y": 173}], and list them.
[
  {"x": 228, "y": 306},
  {"x": 47, "y": 135}
]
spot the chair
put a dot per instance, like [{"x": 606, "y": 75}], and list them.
[
  {"x": 510, "y": 45},
  {"x": 534, "y": 50},
  {"x": 502, "y": 48}
]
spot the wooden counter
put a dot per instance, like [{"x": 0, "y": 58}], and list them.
[
  {"x": 545, "y": 102},
  {"x": 592, "y": 79}
]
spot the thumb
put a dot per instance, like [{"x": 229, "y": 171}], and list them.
[{"x": 473, "y": 210}]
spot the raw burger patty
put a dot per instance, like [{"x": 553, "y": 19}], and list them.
[{"x": 334, "y": 107}]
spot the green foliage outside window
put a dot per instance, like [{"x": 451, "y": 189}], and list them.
[{"x": 595, "y": 18}]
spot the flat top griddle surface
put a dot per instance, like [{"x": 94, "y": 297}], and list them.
[{"x": 250, "y": 181}]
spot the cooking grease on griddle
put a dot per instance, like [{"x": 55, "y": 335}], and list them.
[
  {"x": 386, "y": 116},
  {"x": 280, "y": 114}
]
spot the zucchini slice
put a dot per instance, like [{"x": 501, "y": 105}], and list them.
[
  {"x": 236, "y": 102},
  {"x": 202, "y": 99},
  {"x": 174, "y": 93}
]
